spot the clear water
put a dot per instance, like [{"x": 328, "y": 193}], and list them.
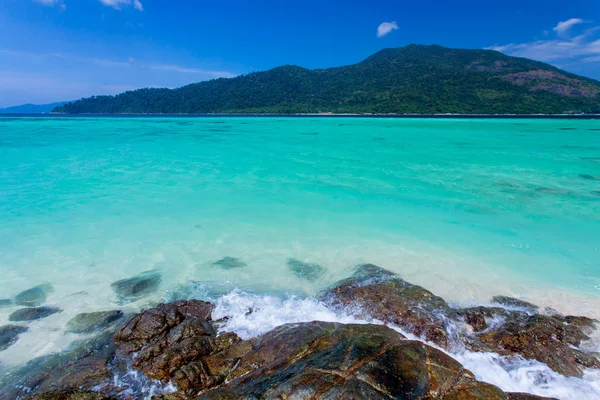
[{"x": 467, "y": 208}]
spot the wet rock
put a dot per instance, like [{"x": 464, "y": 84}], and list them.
[
  {"x": 34, "y": 297},
  {"x": 230, "y": 263},
  {"x": 330, "y": 360},
  {"x": 90, "y": 322},
  {"x": 527, "y": 396},
  {"x": 73, "y": 394},
  {"x": 5, "y": 303},
  {"x": 84, "y": 365},
  {"x": 9, "y": 334},
  {"x": 383, "y": 295},
  {"x": 543, "y": 338},
  {"x": 480, "y": 318},
  {"x": 131, "y": 289},
  {"x": 31, "y": 314},
  {"x": 168, "y": 343},
  {"x": 512, "y": 302},
  {"x": 589, "y": 177},
  {"x": 306, "y": 271}
]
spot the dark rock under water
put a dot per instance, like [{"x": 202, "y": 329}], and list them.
[
  {"x": 33, "y": 313},
  {"x": 34, "y": 297},
  {"x": 230, "y": 263},
  {"x": 9, "y": 334},
  {"x": 307, "y": 271},
  {"x": 5, "y": 303},
  {"x": 131, "y": 289},
  {"x": 91, "y": 322}
]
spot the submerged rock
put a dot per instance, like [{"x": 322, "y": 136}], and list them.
[
  {"x": 31, "y": 314},
  {"x": 512, "y": 302},
  {"x": 381, "y": 294},
  {"x": 34, "y": 297},
  {"x": 229, "y": 263},
  {"x": 9, "y": 334},
  {"x": 589, "y": 177},
  {"x": 134, "y": 288},
  {"x": 306, "y": 271},
  {"x": 74, "y": 394},
  {"x": 5, "y": 303},
  {"x": 90, "y": 322}
]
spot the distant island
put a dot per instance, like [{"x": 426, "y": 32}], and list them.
[
  {"x": 415, "y": 79},
  {"x": 31, "y": 108}
]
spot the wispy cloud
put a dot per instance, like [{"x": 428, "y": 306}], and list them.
[
  {"x": 386, "y": 27},
  {"x": 118, "y": 4},
  {"x": 563, "y": 27},
  {"x": 52, "y": 3},
  {"x": 583, "y": 48},
  {"x": 186, "y": 70}
]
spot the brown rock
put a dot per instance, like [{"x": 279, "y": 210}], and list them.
[
  {"x": 527, "y": 396},
  {"x": 383, "y": 295},
  {"x": 74, "y": 394}
]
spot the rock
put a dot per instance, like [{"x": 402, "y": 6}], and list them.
[
  {"x": 543, "y": 338},
  {"x": 134, "y": 288},
  {"x": 595, "y": 192},
  {"x": 90, "y": 322},
  {"x": 9, "y": 334},
  {"x": 479, "y": 318},
  {"x": 84, "y": 365},
  {"x": 512, "y": 302},
  {"x": 30, "y": 314},
  {"x": 73, "y": 394},
  {"x": 306, "y": 271},
  {"x": 34, "y": 297},
  {"x": 383, "y": 295},
  {"x": 527, "y": 396},
  {"x": 330, "y": 361},
  {"x": 230, "y": 263},
  {"x": 168, "y": 343},
  {"x": 5, "y": 303},
  {"x": 589, "y": 177}
]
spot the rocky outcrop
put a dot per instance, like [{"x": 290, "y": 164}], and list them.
[
  {"x": 513, "y": 329},
  {"x": 380, "y": 294}
]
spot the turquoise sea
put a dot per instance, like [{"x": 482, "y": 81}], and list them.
[{"x": 468, "y": 208}]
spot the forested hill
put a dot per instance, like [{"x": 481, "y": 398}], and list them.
[{"x": 413, "y": 79}]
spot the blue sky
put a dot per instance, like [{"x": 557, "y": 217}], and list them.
[{"x": 52, "y": 50}]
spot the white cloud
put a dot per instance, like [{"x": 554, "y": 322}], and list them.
[
  {"x": 560, "y": 49},
  {"x": 386, "y": 27},
  {"x": 117, "y": 4},
  {"x": 564, "y": 26},
  {"x": 52, "y": 3},
  {"x": 186, "y": 70}
]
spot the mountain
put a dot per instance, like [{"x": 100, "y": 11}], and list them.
[
  {"x": 31, "y": 108},
  {"x": 412, "y": 79}
]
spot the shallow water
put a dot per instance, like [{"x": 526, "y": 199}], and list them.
[{"x": 467, "y": 208}]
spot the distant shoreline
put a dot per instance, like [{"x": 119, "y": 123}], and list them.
[{"x": 320, "y": 115}]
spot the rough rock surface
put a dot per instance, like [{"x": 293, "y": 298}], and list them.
[
  {"x": 383, "y": 295},
  {"x": 515, "y": 330},
  {"x": 91, "y": 322},
  {"x": 334, "y": 361},
  {"x": 9, "y": 334},
  {"x": 74, "y": 394},
  {"x": 169, "y": 342},
  {"x": 31, "y": 314},
  {"x": 34, "y": 297}
]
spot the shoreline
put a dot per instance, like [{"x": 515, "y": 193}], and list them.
[{"x": 324, "y": 115}]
